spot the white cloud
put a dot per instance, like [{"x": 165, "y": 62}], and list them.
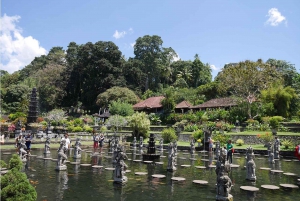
[
  {"x": 176, "y": 58},
  {"x": 213, "y": 67},
  {"x": 16, "y": 50},
  {"x": 121, "y": 34},
  {"x": 132, "y": 44},
  {"x": 275, "y": 17}
]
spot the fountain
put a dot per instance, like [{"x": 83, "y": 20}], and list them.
[{"x": 151, "y": 153}]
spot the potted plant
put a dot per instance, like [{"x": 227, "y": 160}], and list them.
[{"x": 274, "y": 123}]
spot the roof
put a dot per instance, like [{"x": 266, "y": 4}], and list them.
[
  {"x": 183, "y": 104},
  {"x": 152, "y": 102},
  {"x": 217, "y": 102}
]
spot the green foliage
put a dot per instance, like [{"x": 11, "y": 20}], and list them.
[
  {"x": 168, "y": 102},
  {"x": 120, "y": 108},
  {"x": 56, "y": 115},
  {"x": 121, "y": 94},
  {"x": 154, "y": 119},
  {"x": 140, "y": 124},
  {"x": 147, "y": 94},
  {"x": 116, "y": 122},
  {"x": 274, "y": 121},
  {"x": 17, "y": 115},
  {"x": 239, "y": 142},
  {"x": 191, "y": 127},
  {"x": 78, "y": 122},
  {"x": 87, "y": 128},
  {"x": 103, "y": 129},
  {"x": 198, "y": 134},
  {"x": 16, "y": 187},
  {"x": 266, "y": 138},
  {"x": 222, "y": 138},
  {"x": 168, "y": 134},
  {"x": 15, "y": 162},
  {"x": 287, "y": 143},
  {"x": 77, "y": 129},
  {"x": 2, "y": 164}
]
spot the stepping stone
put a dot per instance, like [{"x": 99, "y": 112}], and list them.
[
  {"x": 204, "y": 155},
  {"x": 127, "y": 171},
  {"x": 85, "y": 164},
  {"x": 88, "y": 151},
  {"x": 159, "y": 176},
  {"x": 288, "y": 185},
  {"x": 97, "y": 166},
  {"x": 258, "y": 158},
  {"x": 200, "y": 182},
  {"x": 178, "y": 179},
  {"x": 68, "y": 161},
  {"x": 6, "y": 153},
  {"x": 234, "y": 165},
  {"x": 110, "y": 168},
  {"x": 182, "y": 158},
  {"x": 185, "y": 165},
  {"x": 47, "y": 158},
  {"x": 237, "y": 157},
  {"x": 53, "y": 159},
  {"x": 129, "y": 159},
  {"x": 107, "y": 157},
  {"x": 110, "y": 152},
  {"x": 2, "y": 169},
  {"x": 277, "y": 171},
  {"x": 271, "y": 187},
  {"x": 137, "y": 160},
  {"x": 296, "y": 160},
  {"x": 149, "y": 162},
  {"x": 205, "y": 160},
  {"x": 289, "y": 174},
  {"x": 287, "y": 160},
  {"x": 249, "y": 188},
  {"x": 193, "y": 159},
  {"x": 203, "y": 151},
  {"x": 212, "y": 166},
  {"x": 237, "y": 154},
  {"x": 75, "y": 163},
  {"x": 137, "y": 154},
  {"x": 185, "y": 153},
  {"x": 200, "y": 167},
  {"x": 265, "y": 168},
  {"x": 32, "y": 155},
  {"x": 162, "y": 156},
  {"x": 159, "y": 163},
  {"x": 4, "y": 172},
  {"x": 140, "y": 173}
]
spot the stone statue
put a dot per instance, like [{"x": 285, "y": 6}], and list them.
[
  {"x": 47, "y": 146},
  {"x": 134, "y": 142},
  {"x": 171, "y": 158},
  {"x": 161, "y": 145},
  {"x": 120, "y": 168},
  {"x": 77, "y": 149},
  {"x": 250, "y": 164},
  {"x": 270, "y": 153},
  {"x": 217, "y": 151},
  {"x": 22, "y": 151},
  {"x": 276, "y": 149},
  {"x": 192, "y": 143},
  {"x": 224, "y": 183},
  {"x": 141, "y": 145},
  {"x": 61, "y": 156}
]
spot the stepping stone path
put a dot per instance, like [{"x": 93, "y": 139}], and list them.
[
  {"x": 97, "y": 166},
  {"x": 295, "y": 160},
  {"x": 289, "y": 174},
  {"x": 288, "y": 185},
  {"x": 237, "y": 157},
  {"x": 200, "y": 167},
  {"x": 193, "y": 159},
  {"x": 159, "y": 176},
  {"x": 85, "y": 164},
  {"x": 149, "y": 162},
  {"x": 6, "y": 153},
  {"x": 109, "y": 168},
  {"x": 159, "y": 163},
  {"x": 88, "y": 151},
  {"x": 277, "y": 171},
  {"x": 178, "y": 179},
  {"x": 259, "y": 158},
  {"x": 271, "y": 187},
  {"x": 287, "y": 160},
  {"x": 163, "y": 156},
  {"x": 75, "y": 163},
  {"x": 234, "y": 165},
  {"x": 47, "y": 158},
  {"x": 265, "y": 168},
  {"x": 185, "y": 165},
  {"x": 182, "y": 158},
  {"x": 137, "y": 160},
  {"x": 249, "y": 188},
  {"x": 53, "y": 159},
  {"x": 185, "y": 153},
  {"x": 212, "y": 166},
  {"x": 32, "y": 155},
  {"x": 107, "y": 157},
  {"x": 205, "y": 160},
  {"x": 200, "y": 182},
  {"x": 140, "y": 173},
  {"x": 127, "y": 171}
]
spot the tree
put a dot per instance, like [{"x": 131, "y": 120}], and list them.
[
  {"x": 168, "y": 102},
  {"x": 116, "y": 93},
  {"x": 178, "y": 67},
  {"x": 121, "y": 108},
  {"x": 247, "y": 79},
  {"x": 56, "y": 115},
  {"x": 115, "y": 122},
  {"x": 209, "y": 90},
  {"x": 201, "y": 73},
  {"x": 140, "y": 124}
]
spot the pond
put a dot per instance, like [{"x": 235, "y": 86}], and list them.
[{"x": 87, "y": 183}]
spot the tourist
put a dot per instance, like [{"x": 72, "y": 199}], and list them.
[
  {"x": 101, "y": 141},
  {"x": 96, "y": 141},
  {"x": 210, "y": 144},
  {"x": 28, "y": 139},
  {"x": 68, "y": 141},
  {"x": 229, "y": 151}
]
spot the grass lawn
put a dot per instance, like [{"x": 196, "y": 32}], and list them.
[{"x": 262, "y": 132}]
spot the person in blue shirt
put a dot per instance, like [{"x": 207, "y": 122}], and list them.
[{"x": 28, "y": 139}]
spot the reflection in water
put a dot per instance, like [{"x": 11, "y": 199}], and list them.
[
  {"x": 62, "y": 184},
  {"x": 119, "y": 192}
]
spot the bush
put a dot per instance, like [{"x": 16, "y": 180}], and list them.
[
  {"x": 274, "y": 121},
  {"x": 2, "y": 164},
  {"x": 198, "y": 134},
  {"x": 120, "y": 108},
  {"x": 140, "y": 124},
  {"x": 191, "y": 128},
  {"x": 87, "y": 128},
  {"x": 287, "y": 143},
  {"x": 266, "y": 138},
  {"x": 77, "y": 129},
  {"x": 15, "y": 162},
  {"x": 168, "y": 134},
  {"x": 222, "y": 138},
  {"x": 239, "y": 142}
]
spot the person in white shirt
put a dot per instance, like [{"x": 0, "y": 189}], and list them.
[{"x": 68, "y": 142}]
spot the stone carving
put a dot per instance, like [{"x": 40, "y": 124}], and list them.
[
  {"x": 270, "y": 153},
  {"x": 250, "y": 164},
  {"x": 192, "y": 143},
  {"x": 61, "y": 156},
  {"x": 161, "y": 145},
  {"x": 134, "y": 142},
  {"x": 47, "y": 146},
  {"x": 22, "y": 151},
  {"x": 276, "y": 149},
  {"x": 141, "y": 145},
  {"x": 77, "y": 149},
  {"x": 224, "y": 183},
  {"x": 171, "y": 157},
  {"x": 120, "y": 168},
  {"x": 217, "y": 151}
]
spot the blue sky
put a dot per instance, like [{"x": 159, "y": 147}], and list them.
[{"x": 219, "y": 31}]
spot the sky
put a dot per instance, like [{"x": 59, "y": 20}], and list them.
[{"x": 219, "y": 31}]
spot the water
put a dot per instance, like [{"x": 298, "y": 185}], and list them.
[{"x": 87, "y": 183}]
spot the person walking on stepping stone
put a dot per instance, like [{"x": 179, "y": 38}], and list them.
[{"x": 229, "y": 151}]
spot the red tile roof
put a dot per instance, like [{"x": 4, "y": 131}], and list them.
[
  {"x": 152, "y": 102},
  {"x": 183, "y": 104},
  {"x": 217, "y": 102}
]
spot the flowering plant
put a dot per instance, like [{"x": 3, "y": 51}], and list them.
[{"x": 267, "y": 137}]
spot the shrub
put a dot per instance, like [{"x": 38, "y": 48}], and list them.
[
  {"x": 140, "y": 124},
  {"x": 120, "y": 108},
  {"x": 287, "y": 143},
  {"x": 15, "y": 162},
  {"x": 198, "y": 134},
  {"x": 78, "y": 122},
  {"x": 222, "y": 138},
  {"x": 2, "y": 164},
  {"x": 191, "y": 128},
  {"x": 267, "y": 137},
  {"x": 87, "y": 128},
  {"x": 274, "y": 121},
  {"x": 168, "y": 134},
  {"x": 239, "y": 142},
  {"x": 77, "y": 129}
]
